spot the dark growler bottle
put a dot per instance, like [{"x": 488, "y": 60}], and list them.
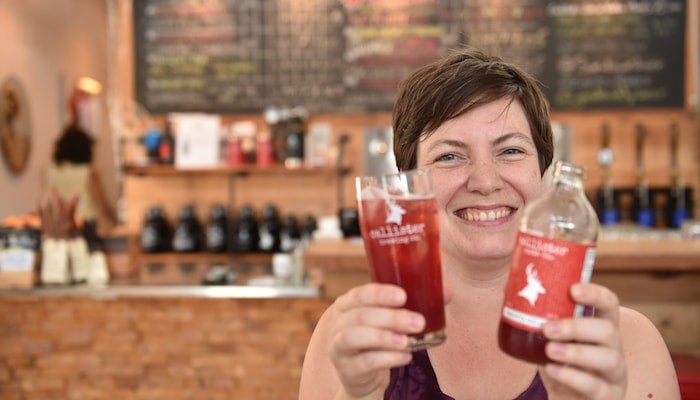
[
  {"x": 216, "y": 231},
  {"x": 310, "y": 225},
  {"x": 246, "y": 236},
  {"x": 269, "y": 230},
  {"x": 290, "y": 235},
  {"x": 155, "y": 233},
  {"x": 187, "y": 236},
  {"x": 554, "y": 248}
]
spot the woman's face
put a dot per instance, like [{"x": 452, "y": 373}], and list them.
[{"x": 485, "y": 169}]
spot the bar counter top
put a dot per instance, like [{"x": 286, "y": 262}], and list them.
[
  {"x": 115, "y": 292},
  {"x": 670, "y": 254}
]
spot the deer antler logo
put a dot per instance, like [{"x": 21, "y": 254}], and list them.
[
  {"x": 534, "y": 287},
  {"x": 395, "y": 213}
]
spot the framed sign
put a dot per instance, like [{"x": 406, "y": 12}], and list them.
[
  {"x": 15, "y": 130},
  {"x": 351, "y": 55}
]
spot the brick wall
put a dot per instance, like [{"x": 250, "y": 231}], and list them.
[{"x": 81, "y": 348}]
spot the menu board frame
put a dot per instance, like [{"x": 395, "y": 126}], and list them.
[{"x": 344, "y": 56}]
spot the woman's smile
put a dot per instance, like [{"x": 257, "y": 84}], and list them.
[{"x": 484, "y": 214}]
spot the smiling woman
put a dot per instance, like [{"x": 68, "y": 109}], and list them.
[
  {"x": 481, "y": 125},
  {"x": 15, "y": 138}
]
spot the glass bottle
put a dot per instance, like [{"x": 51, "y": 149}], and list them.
[
  {"x": 310, "y": 225},
  {"x": 216, "y": 232},
  {"x": 156, "y": 231},
  {"x": 246, "y": 234},
  {"x": 294, "y": 139},
  {"x": 276, "y": 119},
  {"x": 290, "y": 235},
  {"x": 166, "y": 145},
  {"x": 151, "y": 141},
  {"x": 554, "y": 248},
  {"x": 188, "y": 232},
  {"x": 269, "y": 230}
]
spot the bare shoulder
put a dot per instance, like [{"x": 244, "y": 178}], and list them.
[
  {"x": 318, "y": 377},
  {"x": 649, "y": 366}
]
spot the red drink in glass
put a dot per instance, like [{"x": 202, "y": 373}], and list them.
[{"x": 401, "y": 237}]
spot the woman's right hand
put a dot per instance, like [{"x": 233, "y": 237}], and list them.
[{"x": 369, "y": 336}]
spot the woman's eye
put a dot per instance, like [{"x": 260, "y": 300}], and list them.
[
  {"x": 512, "y": 151},
  {"x": 446, "y": 157}
]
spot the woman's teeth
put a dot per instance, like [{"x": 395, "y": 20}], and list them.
[{"x": 491, "y": 215}]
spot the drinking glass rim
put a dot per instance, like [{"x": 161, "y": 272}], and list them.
[
  {"x": 417, "y": 171},
  {"x": 382, "y": 180}
]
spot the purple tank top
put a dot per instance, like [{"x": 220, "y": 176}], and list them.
[{"x": 417, "y": 381}]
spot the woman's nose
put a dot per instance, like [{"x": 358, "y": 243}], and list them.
[{"x": 484, "y": 177}]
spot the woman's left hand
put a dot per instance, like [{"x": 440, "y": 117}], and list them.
[{"x": 589, "y": 361}]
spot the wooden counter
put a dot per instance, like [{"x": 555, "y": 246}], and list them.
[
  {"x": 612, "y": 255},
  {"x": 660, "y": 278},
  {"x": 148, "y": 344}
]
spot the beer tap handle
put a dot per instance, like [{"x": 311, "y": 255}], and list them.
[
  {"x": 607, "y": 208},
  {"x": 644, "y": 214},
  {"x": 605, "y": 136},
  {"x": 675, "y": 173},
  {"x": 639, "y": 149},
  {"x": 605, "y": 154}
]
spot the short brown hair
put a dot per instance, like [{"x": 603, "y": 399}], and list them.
[{"x": 447, "y": 88}]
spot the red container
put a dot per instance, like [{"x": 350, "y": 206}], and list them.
[
  {"x": 265, "y": 152},
  {"x": 234, "y": 153},
  {"x": 688, "y": 371}
]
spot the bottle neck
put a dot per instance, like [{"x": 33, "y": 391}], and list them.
[
  {"x": 569, "y": 176},
  {"x": 570, "y": 181}
]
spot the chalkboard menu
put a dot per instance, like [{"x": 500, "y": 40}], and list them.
[
  {"x": 617, "y": 54},
  {"x": 228, "y": 56}
]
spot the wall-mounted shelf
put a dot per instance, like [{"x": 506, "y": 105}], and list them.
[
  {"x": 294, "y": 191},
  {"x": 207, "y": 257},
  {"x": 175, "y": 268},
  {"x": 165, "y": 170}
]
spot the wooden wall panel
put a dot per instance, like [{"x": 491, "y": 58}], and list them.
[
  {"x": 298, "y": 194},
  {"x": 586, "y": 142},
  {"x": 172, "y": 193},
  {"x": 585, "y": 126},
  {"x": 317, "y": 193},
  {"x": 679, "y": 323}
]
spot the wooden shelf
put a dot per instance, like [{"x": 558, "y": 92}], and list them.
[
  {"x": 169, "y": 170},
  {"x": 292, "y": 190},
  {"x": 612, "y": 255},
  {"x": 199, "y": 257}
]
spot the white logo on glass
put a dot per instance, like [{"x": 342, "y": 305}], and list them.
[
  {"x": 534, "y": 287},
  {"x": 395, "y": 214}
]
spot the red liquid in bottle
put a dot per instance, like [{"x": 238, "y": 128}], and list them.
[
  {"x": 526, "y": 345},
  {"x": 407, "y": 253}
]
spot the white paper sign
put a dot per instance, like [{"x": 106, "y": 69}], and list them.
[
  {"x": 196, "y": 140},
  {"x": 16, "y": 260}
]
